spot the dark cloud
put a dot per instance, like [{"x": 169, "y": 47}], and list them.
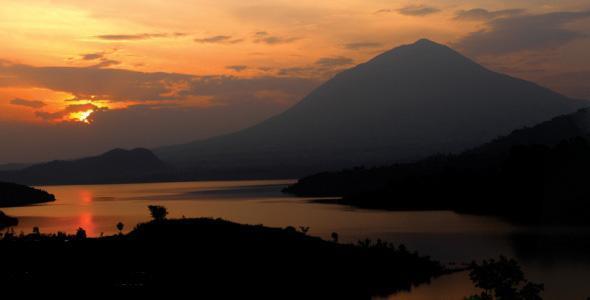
[
  {"x": 323, "y": 67},
  {"x": 527, "y": 32},
  {"x": 93, "y": 56},
  {"x": 108, "y": 84},
  {"x": 233, "y": 89},
  {"x": 237, "y": 68},
  {"x": 126, "y": 85},
  {"x": 332, "y": 62},
  {"x": 218, "y": 39},
  {"x": 59, "y": 115},
  {"x": 480, "y": 14},
  {"x": 266, "y": 38},
  {"x": 131, "y": 37},
  {"x": 27, "y": 103},
  {"x": 139, "y": 36},
  {"x": 384, "y": 11},
  {"x": 105, "y": 63},
  {"x": 418, "y": 10},
  {"x": 362, "y": 45},
  {"x": 297, "y": 71}
]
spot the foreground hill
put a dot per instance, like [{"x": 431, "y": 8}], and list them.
[
  {"x": 111, "y": 167},
  {"x": 19, "y": 195},
  {"x": 405, "y": 104},
  {"x": 210, "y": 259}
]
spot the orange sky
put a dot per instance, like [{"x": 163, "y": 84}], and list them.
[{"x": 62, "y": 60}]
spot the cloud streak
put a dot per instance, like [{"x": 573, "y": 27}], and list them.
[
  {"x": 418, "y": 10},
  {"x": 70, "y": 109},
  {"x": 27, "y": 103},
  {"x": 266, "y": 38},
  {"x": 138, "y": 37},
  {"x": 481, "y": 14},
  {"x": 526, "y": 32},
  {"x": 218, "y": 39}
]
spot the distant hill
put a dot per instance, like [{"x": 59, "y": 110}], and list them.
[
  {"x": 536, "y": 174},
  {"x": 12, "y": 194},
  {"x": 548, "y": 133},
  {"x": 12, "y": 167},
  {"x": 405, "y": 104},
  {"x": 111, "y": 167}
]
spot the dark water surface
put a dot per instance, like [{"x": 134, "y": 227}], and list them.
[{"x": 558, "y": 257}]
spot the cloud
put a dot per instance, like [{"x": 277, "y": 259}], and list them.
[
  {"x": 266, "y": 38},
  {"x": 362, "y": 45},
  {"x": 237, "y": 68},
  {"x": 480, "y": 14},
  {"x": 520, "y": 33},
  {"x": 131, "y": 37},
  {"x": 126, "y": 85},
  {"x": 231, "y": 89},
  {"x": 218, "y": 39},
  {"x": 28, "y": 103},
  {"x": 93, "y": 56},
  {"x": 323, "y": 67},
  {"x": 70, "y": 109},
  {"x": 105, "y": 63},
  {"x": 108, "y": 84},
  {"x": 418, "y": 10},
  {"x": 331, "y": 62}
]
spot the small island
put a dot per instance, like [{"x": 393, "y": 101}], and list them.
[{"x": 12, "y": 195}]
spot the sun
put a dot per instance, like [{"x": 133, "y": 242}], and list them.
[{"x": 81, "y": 116}]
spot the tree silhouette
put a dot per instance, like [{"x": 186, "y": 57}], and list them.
[
  {"x": 80, "y": 234},
  {"x": 334, "y": 237},
  {"x": 502, "y": 279},
  {"x": 120, "y": 227},
  {"x": 158, "y": 213}
]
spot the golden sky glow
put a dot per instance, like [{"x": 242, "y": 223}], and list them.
[{"x": 74, "y": 60}]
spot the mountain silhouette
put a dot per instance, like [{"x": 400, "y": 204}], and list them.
[
  {"x": 533, "y": 175},
  {"x": 548, "y": 133},
  {"x": 115, "y": 166},
  {"x": 405, "y": 104}
]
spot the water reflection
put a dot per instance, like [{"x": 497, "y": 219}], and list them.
[{"x": 554, "y": 256}]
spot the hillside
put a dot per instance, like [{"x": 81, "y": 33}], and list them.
[
  {"x": 405, "y": 104},
  {"x": 111, "y": 167}
]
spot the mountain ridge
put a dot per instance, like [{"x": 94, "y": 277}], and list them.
[
  {"x": 382, "y": 111},
  {"x": 114, "y": 166}
]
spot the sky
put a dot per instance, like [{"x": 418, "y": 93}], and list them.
[{"x": 81, "y": 77}]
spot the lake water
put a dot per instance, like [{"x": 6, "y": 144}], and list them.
[{"x": 549, "y": 255}]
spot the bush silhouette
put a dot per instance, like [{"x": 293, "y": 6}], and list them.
[
  {"x": 158, "y": 213},
  {"x": 503, "y": 279}
]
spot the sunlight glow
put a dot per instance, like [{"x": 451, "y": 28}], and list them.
[{"x": 81, "y": 116}]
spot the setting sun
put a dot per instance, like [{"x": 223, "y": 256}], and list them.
[{"x": 81, "y": 116}]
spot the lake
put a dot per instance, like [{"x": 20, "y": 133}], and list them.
[{"x": 557, "y": 257}]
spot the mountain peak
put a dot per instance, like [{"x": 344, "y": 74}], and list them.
[
  {"x": 407, "y": 103},
  {"x": 425, "y": 42},
  {"x": 423, "y": 51}
]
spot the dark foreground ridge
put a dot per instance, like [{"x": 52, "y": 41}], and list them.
[
  {"x": 12, "y": 194},
  {"x": 211, "y": 259}
]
